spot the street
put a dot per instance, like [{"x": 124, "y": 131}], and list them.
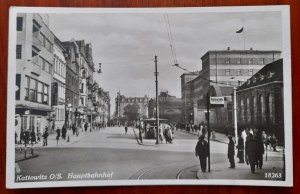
[{"x": 111, "y": 151}]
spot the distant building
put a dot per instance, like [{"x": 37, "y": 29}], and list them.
[
  {"x": 260, "y": 100},
  {"x": 170, "y": 107},
  {"x": 59, "y": 84},
  {"x": 34, "y": 62},
  {"x": 221, "y": 71},
  {"x": 122, "y": 102}
]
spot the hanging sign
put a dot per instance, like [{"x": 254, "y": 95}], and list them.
[{"x": 217, "y": 101}]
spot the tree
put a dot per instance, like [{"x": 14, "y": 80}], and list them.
[{"x": 131, "y": 111}]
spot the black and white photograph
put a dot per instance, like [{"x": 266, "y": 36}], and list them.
[{"x": 149, "y": 96}]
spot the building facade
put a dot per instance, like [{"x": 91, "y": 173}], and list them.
[
  {"x": 59, "y": 84},
  {"x": 221, "y": 71},
  {"x": 122, "y": 102},
  {"x": 34, "y": 62},
  {"x": 72, "y": 80},
  {"x": 260, "y": 100}
]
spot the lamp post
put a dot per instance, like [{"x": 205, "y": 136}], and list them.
[{"x": 157, "y": 109}]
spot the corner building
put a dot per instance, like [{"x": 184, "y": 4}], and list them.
[{"x": 34, "y": 62}]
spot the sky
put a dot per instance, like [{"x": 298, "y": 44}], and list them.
[{"x": 125, "y": 44}]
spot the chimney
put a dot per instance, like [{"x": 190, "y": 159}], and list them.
[{"x": 228, "y": 48}]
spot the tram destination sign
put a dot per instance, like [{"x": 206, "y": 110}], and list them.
[{"x": 217, "y": 101}]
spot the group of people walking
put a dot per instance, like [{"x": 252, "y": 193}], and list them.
[{"x": 250, "y": 148}]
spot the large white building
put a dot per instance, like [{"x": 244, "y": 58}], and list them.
[{"x": 34, "y": 62}]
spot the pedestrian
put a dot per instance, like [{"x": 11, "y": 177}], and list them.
[
  {"x": 39, "y": 135},
  {"x": 213, "y": 135},
  {"x": 26, "y": 137},
  {"x": 57, "y": 135},
  {"x": 63, "y": 132},
  {"x": 264, "y": 138},
  {"x": 251, "y": 152},
  {"x": 201, "y": 151},
  {"x": 85, "y": 126},
  {"x": 126, "y": 129},
  {"x": 230, "y": 152},
  {"x": 260, "y": 152},
  {"x": 273, "y": 142},
  {"x": 140, "y": 134},
  {"x": 74, "y": 129},
  {"x": 45, "y": 137},
  {"x": 32, "y": 137},
  {"x": 240, "y": 147}
]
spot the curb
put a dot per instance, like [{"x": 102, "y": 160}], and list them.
[
  {"x": 27, "y": 158},
  {"x": 197, "y": 135}
]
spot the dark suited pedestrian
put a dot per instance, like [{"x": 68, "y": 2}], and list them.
[
  {"x": 260, "y": 153},
  {"x": 32, "y": 137},
  {"x": 63, "y": 132},
  {"x": 240, "y": 147},
  {"x": 201, "y": 151},
  {"x": 45, "y": 137},
  {"x": 26, "y": 137},
  {"x": 57, "y": 135},
  {"x": 251, "y": 152},
  {"x": 230, "y": 152},
  {"x": 126, "y": 129}
]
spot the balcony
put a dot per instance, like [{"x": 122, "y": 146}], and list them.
[{"x": 35, "y": 66}]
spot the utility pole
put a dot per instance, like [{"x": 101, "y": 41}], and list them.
[
  {"x": 235, "y": 115},
  {"x": 157, "y": 110}
]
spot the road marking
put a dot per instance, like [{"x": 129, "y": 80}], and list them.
[{"x": 17, "y": 168}]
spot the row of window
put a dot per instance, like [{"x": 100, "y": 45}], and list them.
[
  {"x": 243, "y": 61},
  {"x": 36, "y": 91},
  {"x": 233, "y": 72},
  {"x": 257, "y": 109},
  {"x": 59, "y": 67}
]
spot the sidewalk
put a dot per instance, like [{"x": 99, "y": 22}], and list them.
[
  {"x": 271, "y": 170},
  {"x": 52, "y": 143}
]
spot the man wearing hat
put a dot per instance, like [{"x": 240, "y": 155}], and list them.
[
  {"x": 201, "y": 151},
  {"x": 230, "y": 152}
]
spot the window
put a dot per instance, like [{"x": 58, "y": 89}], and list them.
[
  {"x": 271, "y": 109},
  {"x": 248, "y": 116},
  {"x": 227, "y": 60},
  {"x": 261, "y": 61},
  {"x": 32, "y": 90},
  {"x": 46, "y": 66},
  {"x": 242, "y": 110},
  {"x": 45, "y": 95},
  {"x": 31, "y": 123},
  {"x": 227, "y": 72},
  {"x": 40, "y": 92},
  {"x": 250, "y": 61},
  {"x": 239, "y": 72},
  {"x": 19, "y": 23},
  {"x": 238, "y": 61},
  {"x": 19, "y": 52},
  {"x": 250, "y": 72}
]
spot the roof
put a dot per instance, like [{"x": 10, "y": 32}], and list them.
[
  {"x": 272, "y": 72},
  {"x": 251, "y": 51}
]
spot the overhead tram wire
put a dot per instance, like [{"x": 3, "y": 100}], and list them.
[
  {"x": 170, "y": 37},
  {"x": 221, "y": 83}
]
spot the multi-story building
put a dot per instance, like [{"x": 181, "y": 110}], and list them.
[
  {"x": 140, "y": 102},
  {"x": 260, "y": 100},
  {"x": 72, "y": 80},
  {"x": 102, "y": 103},
  {"x": 221, "y": 71},
  {"x": 87, "y": 83},
  {"x": 59, "y": 83},
  {"x": 34, "y": 61}
]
